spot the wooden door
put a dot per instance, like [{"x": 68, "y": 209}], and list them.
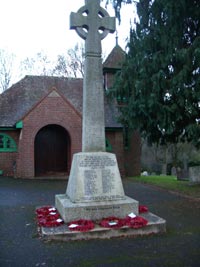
[{"x": 51, "y": 151}]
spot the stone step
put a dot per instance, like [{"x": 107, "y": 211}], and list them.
[
  {"x": 155, "y": 225},
  {"x": 70, "y": 211}
]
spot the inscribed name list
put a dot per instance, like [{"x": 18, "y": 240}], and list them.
[{"x": 99, "y": 178}]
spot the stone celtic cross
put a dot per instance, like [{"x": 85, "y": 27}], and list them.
[{"x": 93, "y": 23}]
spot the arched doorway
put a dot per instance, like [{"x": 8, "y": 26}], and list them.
[{"x": 52, "y": 151}]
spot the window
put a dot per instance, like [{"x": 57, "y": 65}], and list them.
[
  {"x": 108, "y": 146},
  {"x": 126, "y": 138},
  {"x": 7, "y": 144}
]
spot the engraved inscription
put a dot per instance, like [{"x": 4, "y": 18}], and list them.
[
  {"x": 103, "y": 198},
  {"x": 102, "y": 208},
  {"x": 95, "y": 162},
  {"x": 90, "y": 182},
  {"x": 99, "y": 183},
  {"x": 107, "y": 181}
]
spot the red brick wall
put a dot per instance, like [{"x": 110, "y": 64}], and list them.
[
  {"x": 7, "y": 163},
  {"x": 55, "y": 110},
  {"x": 51, "y": 110},
  {"x": 132, "y": 156},
  {"x": 116, "y": 140},
  {"x": 128, "y": 160},
  {"x": 108, "y": 80},
  {"x": 8, "y": 159}
]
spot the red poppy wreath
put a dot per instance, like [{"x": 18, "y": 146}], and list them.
[
  {"x": 136, "y": 222},
  {"x": 81, "y": 225},
  {"x": 112, "y": 222},
  {"x": 48, "y": 217},
  {"x": 143, "y": 209}
]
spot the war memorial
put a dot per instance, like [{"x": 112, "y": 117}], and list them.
[{"x": 95, "y": 190}]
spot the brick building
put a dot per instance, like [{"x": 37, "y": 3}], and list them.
[{"x": 41, "y": 122}]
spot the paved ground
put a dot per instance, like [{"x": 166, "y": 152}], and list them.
[{"x": 21, "y": 246}]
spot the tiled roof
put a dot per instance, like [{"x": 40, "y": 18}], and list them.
[
  {"x": 16, "y": 101},
  {"x": 114, "y": 59}
]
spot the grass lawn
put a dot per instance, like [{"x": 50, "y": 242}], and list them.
[{"x": 171, "y": 183}]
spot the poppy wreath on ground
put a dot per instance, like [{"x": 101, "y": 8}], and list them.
[
  {"x": 112, "y": 222},
  {"x": 45, "y": 222},
  {"x": 136, "y": 222},
  {"x": 143, "y": 209},
  {"x": 45, "y": 210},
  {"x": 48, "y": 217},
  {"x": 81, "y": 225}
]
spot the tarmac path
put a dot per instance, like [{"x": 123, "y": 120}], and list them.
[{"x": 21, "y": 246}]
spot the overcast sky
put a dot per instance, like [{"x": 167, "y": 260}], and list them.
[
  {"x": 31, "y": 26},
  {"x": 28, "y": 27}
]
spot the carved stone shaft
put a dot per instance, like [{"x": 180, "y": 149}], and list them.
[{"x": 92, "y": 23}]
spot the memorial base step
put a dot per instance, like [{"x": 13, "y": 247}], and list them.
[
  {"x": 156, "y": 225},
  {"x": 70, "y": 211}
]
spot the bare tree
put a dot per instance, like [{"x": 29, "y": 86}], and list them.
[
  {"x": 40, "y": 64},
  {"x": 61, "y": 68},
  {"x": 71, "y": 64},
  {"x": 76, "y": 61},
  {"x": 6, "y": 69},
  {"x": 68, "y": 65}
]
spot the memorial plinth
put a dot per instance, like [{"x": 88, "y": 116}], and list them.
[{"x": 94, "y": 189}]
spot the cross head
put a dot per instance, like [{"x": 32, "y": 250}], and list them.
[{"x": 92, "y": 23}]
